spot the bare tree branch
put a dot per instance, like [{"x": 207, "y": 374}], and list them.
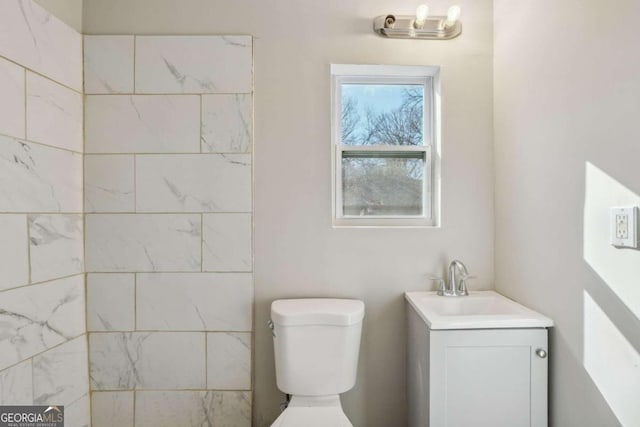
[
  {"x": 350, "y": 120},
  {"x": 402, "y": 126}
]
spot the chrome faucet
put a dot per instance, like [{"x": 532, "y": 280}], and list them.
[{"x": 455, "y": 287}]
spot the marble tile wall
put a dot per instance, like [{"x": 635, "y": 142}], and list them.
[
  {"x": 168, "y": 223},
  {"x": 108, "y": 64},
  {"x": 39, "y": 317},
  {"x": 43, "y": 341},
  {"x": 38, "y": 41},
  {"x": 205, "y": 64},
  {"x": 54, "y": 114},
  {"x": 12, "y": 87},
  {"x": 192, "y": 408},
  {"x": 39, "y": 178},
  {"x": 142, "y": 124},
  {"x": 112, "y": 408},
  {"x": 143, "y": 242}
]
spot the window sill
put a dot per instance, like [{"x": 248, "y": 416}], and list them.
[{"x": 383, "y": 223}]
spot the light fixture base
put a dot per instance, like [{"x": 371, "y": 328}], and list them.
[{"x": 402, "y": 27}]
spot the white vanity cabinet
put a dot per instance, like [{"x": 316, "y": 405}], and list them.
[{"x": 476, "y": 377}]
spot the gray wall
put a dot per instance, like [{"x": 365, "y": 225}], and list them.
[
  {"x": 297, "y": 253},
  {"x": 566, "y": 128},
  {"x": 68, "y": 11}
]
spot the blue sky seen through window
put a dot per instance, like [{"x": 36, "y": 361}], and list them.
[{"x": 382, "y": 114}]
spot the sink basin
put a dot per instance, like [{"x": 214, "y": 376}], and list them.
[{"x": 479, "y": 310}]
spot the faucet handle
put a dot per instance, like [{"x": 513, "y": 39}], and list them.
[
  {"x": 463, "y": 284},
  {"x": 439, "y": 280}
]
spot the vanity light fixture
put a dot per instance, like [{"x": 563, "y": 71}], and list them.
[
  {"x": 421, "y": 26},
  {"x": 422, "y": 13}
]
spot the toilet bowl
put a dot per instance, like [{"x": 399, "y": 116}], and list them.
[
  {"x": 313, "y": 412},
  {"x": 316, "y": 347}
]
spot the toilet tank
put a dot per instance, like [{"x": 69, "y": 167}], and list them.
[{"x": 316, "y": 344}]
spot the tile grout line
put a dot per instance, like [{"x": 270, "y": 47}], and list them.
[
  {"x": 147, "y": 153},
  {"x": 175, "y": 36},
  {"x": 206, "y": 359},
  {"x": 201, "y": 242},
  {"x": 176, "y": 94},
  {"x": 41, "y": 213},
  {"x": 200, "y": 112},
  {"x": 43, "y": 282},
  {"x": 172, "y": 331},
  {"x": 135, "y": 53},
  {"x": 55, "y": 279},
  {"x": 135, "y": 183},
  {"x": 135, "y": 209},
  {"x": 252, "y": 362},
  {"x": 55, "y": 147},
  {"x": 40, "y": 353},
  {"x": 144, "y": 390},
  {"x": 26, "y": 68},
  {"x": 154, "y": 272},
  {"x": 84, "y": 235},
  {"x": 135, "y": 393},
  {"x": 28, "y": 255},
  {"x": 27, "y": 219},
  {"x": 135, "y": 301},
  {"x": 76, "y": 400},
  {"x": 201, "y": 133},
  {"x": 26, "y": 94},
  {"x": 206, "y": 335},
  {"x": 33, "y": 382}
]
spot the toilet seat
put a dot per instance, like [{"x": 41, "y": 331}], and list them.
[{"x": 313, "y": 412}]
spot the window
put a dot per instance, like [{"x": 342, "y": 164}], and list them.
[{"x": 385, "y": 145}]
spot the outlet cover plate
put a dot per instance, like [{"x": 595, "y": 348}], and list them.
[{"x": 624, "y": 227}]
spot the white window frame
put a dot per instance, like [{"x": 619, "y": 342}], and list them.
[{"x": 429, "y": 76}]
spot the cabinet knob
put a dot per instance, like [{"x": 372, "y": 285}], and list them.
[{"x": 541, "y": 353}]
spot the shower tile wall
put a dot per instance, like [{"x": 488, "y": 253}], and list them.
[
  {"x": 168, "y": 201},
  {"x": 43, "y": 342}
]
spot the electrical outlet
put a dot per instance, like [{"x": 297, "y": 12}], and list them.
[{"x": 624, "y": 227}]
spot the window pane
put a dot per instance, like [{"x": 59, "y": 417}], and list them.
[
  {"x": 382, "y": 184},
  {"x": 382, "y": 114}
]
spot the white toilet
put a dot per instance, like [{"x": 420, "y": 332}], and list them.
[{"x": 316, "y": 344}]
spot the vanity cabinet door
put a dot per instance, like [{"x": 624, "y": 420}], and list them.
[{"x": 488, "y": 377}]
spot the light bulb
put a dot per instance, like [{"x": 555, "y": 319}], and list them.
[
  {"x": 421, "y": 15},
  {"x": 453, "y": 14}
]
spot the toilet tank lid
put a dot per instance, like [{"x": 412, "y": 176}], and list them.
[{"x": 317, "y": 311}]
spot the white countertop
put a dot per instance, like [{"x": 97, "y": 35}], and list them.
[{"x": 478, "y": 310}]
